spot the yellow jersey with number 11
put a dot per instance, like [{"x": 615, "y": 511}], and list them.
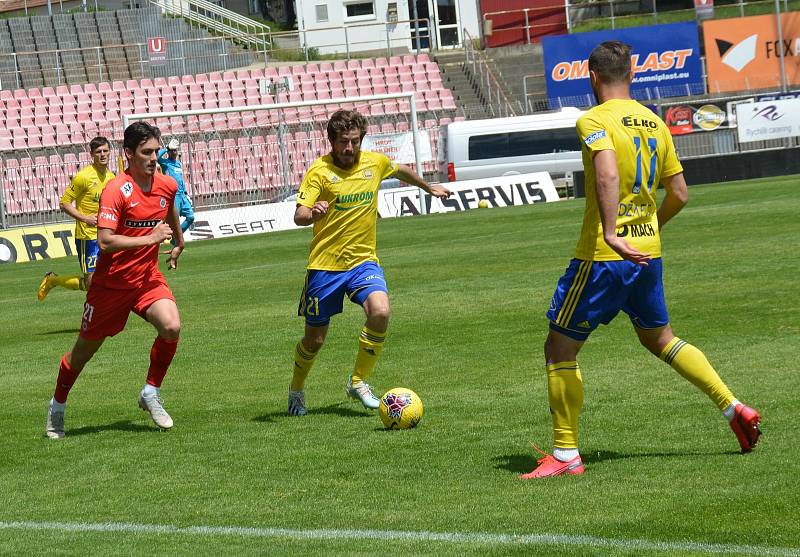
[
  {"x": 346, "y": 235},
  {"x": 645, "y": 154}
]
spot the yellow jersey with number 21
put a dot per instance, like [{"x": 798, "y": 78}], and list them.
[
  {"x": 645, "y": 154},
  {"x": 346, "y": 235}
]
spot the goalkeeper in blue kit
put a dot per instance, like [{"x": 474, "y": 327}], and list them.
[{"x": 168, "y": 159}]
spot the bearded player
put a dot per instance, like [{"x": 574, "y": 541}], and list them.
[
  {"x": 339, "y": 196},
  {"x": 136, "y": 214}
]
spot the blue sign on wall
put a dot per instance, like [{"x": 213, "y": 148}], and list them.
[{"x": 665, "y": 60}]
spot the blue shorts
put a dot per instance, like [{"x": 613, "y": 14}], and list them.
[
  {"x": 323, "y": 294},
  {"x": 593, "y": 292},
  {"x": 88, "y": 252}
]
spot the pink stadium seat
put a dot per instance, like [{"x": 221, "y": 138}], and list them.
[
  {"x": 284, "y": 71},
  {"x": 423, "y": 57},
  {"x": 187, "y": 79},
  {"x": 215, "y": 76},
  {"x": 326, "y": 67},
  {"x": 201, "y": 78},
  {"x": 340, "y": 65},
  {"x": 354, "y": 64},
  {"x": 20, "y": 94},
  {"x": 448, "y": 103}
]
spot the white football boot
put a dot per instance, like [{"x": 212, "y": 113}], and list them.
[
  {"x": 54, "y": 428},
  {"x": 362, "y": 392},
  {"x": 154, "y": 405}
]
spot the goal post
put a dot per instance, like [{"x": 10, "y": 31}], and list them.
[{"x": 244, "y": 155}]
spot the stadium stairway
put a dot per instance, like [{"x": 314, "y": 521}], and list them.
[
  {"x": 470, "y": 102},
  {"x": 511, "y": 65}
]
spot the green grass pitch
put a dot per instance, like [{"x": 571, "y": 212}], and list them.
[{"x": 468, "y": 292}]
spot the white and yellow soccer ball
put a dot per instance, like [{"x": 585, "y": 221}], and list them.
[{"x": 400, "y": 408}]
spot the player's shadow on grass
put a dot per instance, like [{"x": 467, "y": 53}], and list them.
[
  {"x": 125, "y": 425},
  {"x": 343, "y": 409},
  {"x": 525, "y": 462},
  {"x": 61, "y": 332}
]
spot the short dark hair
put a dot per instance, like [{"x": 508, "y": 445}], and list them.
[
  {"x": 98, "y": 141},
  {"x": 344, "y": 121},
  {"x": 138, "y": 132},
  {"x": 611, "y": 61}
]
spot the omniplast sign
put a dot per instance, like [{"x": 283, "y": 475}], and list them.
[
  {"x": 744, "y": 53},
  {"x": 663, "y": 57}
]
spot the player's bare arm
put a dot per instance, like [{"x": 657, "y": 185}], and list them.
[
  {"x": 407, "y": 175},
  {"x": 73, "y": 211},
  {"x": 303, "y": 216},
  {"x": 174, "y": 222},
  {"x": 110, "y": 242},
  {"x": 607, "y": 187},
  {"x": 677, "y": 196}
]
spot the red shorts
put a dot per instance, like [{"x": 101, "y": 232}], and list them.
[{"x": 106, "y": 309}]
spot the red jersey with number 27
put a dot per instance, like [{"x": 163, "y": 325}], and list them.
[{"x": 127, "y": 210}]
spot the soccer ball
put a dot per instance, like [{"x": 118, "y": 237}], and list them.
[
  {"x": 483, "y": 204},
  {"x": 400, "y": 409}
]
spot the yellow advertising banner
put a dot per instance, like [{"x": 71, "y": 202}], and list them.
[
  {"x": 29, "y": 243},
  {"x": 744, "y": 54}
]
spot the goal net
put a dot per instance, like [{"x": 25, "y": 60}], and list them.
[{"x": 241, "y": 156}]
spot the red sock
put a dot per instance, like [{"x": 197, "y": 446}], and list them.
[
  {"x": 66, "y": 379},
  {"x": 161, "y": 355}
]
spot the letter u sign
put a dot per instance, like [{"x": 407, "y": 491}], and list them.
[{"x": 156, "y": 45}]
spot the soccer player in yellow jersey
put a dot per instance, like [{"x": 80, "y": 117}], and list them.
[
  {"x": 81, "y": 201},
  {"x": 339, "y": 196},
  {"x": 627, "y": 153}
]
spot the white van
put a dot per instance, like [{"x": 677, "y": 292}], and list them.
[{"x": 505, "y": 146}]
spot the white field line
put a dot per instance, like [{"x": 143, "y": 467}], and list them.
[{"x": 483, "y": 538}]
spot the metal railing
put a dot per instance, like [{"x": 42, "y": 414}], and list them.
[
  {"x": 191, "y": 56},
  {"x": 529, "y": 27},
  {"x": 208, "y": 15},
  {"x": 187, "y": 56},
  {"x": 497, "y": 101},
  {"x": 415, "y": 36},
  {"x": 25, "y": 4}
]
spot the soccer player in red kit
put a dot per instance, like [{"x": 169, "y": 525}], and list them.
[{"x": 136, "y": 215}]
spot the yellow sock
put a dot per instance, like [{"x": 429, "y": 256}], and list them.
[
  {"x": 565, "y": 394},
  {"x": 303, "y": 360},
  {"x": 693, "y": 366},
  {"x": 73, "y": 282},
  {"x": 370, "y": 346}
]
